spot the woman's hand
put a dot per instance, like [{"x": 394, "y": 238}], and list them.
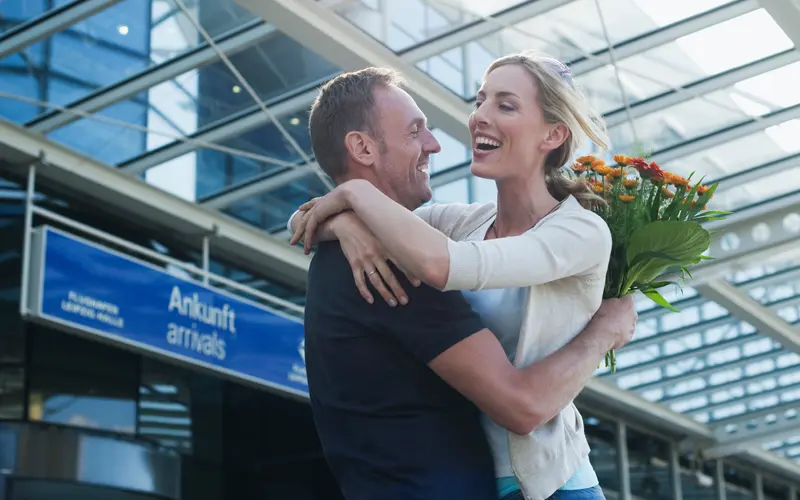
[
  {"x": 367, "y": 257},
  {"x": 317, "y": 211}
]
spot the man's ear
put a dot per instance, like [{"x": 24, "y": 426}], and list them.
[
  {"x": 360, "y": 147},
  {"x": 556, "y": 137}
]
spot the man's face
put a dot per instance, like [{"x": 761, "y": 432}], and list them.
[{"x": 402, "y": 165}]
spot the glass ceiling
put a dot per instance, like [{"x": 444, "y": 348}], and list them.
[{"x": 705, "y": 85}]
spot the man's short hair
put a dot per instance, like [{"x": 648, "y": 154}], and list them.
[{"x": 346, "y": 104}]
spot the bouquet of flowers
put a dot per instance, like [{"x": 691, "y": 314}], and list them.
[{"x": 655, "y": 218}]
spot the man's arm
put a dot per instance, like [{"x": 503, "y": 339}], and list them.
[
  {"x": 521, "y": 399},
  {"x": 441, "y": 330}
]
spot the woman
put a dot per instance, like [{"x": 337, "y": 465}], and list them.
[{"x": 533, "y": 265}]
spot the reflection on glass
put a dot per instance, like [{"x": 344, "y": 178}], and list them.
[
  {"x": 12, "y": 392},
  {"x": 217, "y": 171},
  {"x": 775, "y": 491},
  {"x": 115, "y": 43},
  {"x": 697, "y": 480},
  {"x": 702, "y": 54},
  {"x": 202, "y": 98},
  {"x": 164, "y": 406},
  {"x": 16, "y": 12},
  {"x": 81, "y": 401},
  {"x": 649, "y": 466},
  {"x": 569, "y": 33},
  {"x": 271, "y": 211},
  {"x": 74, "y": 381},
  {"x": 739, "y": 484},
  {"x": 602, "y": 435}
]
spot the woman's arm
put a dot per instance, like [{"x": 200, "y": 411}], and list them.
[
  {"x": 415, "y": 245},
  {"x": 569, "y": 244}
]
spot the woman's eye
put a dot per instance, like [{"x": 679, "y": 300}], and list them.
[{"x": 507, "y": 107}]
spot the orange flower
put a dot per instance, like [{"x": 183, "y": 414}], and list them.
[
  {"x": 614, "y": 173},
  {"x": 701, "y": 190},
  {"x": 601, "y": 168},
  {"x": 597, "y": 187},
  {"x": 626, "y": 198},
  {"x": 579, "y": 167},
  {"x": 630, "y": 183},
  {"x": 675, "y": 180},
  {"x": 667, "y": 193},
  {"x": 622, "y": 159},
  {"x": 587, "y": 160}
]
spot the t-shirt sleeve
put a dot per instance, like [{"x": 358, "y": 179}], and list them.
[{"x": 430, "y": 323}]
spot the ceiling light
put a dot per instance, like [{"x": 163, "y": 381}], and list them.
[
  {"x": 123, "y": 30},
  {"x": 295, "y": 121},
  {"x": 237, "y": 89}
]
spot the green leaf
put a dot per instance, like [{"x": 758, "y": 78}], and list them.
[
  {"x": 664, "y": 244},
  {"x": 658, "y": 299}
]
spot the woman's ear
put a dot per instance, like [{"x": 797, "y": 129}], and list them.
[
  {"x": 360, "y": 147},
  {"x": 556, "y": 137}
]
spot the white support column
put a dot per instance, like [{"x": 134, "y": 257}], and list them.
[
  {"x": 787, "y": 14},
  {"x": 335, "y": 39}
]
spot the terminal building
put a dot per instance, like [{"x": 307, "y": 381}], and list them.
[{"x": 151, "y": 151}]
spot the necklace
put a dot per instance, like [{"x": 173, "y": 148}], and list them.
[{"x": 494, "y": 230}]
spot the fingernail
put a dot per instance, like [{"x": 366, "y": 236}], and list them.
[
  {"x": 392, "y": 303},
  {"x": 404, "y": 300}
]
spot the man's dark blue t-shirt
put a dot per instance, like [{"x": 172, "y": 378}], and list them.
[{"x": 390, "y": 427}]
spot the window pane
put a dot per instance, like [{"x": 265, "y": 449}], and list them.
[
  {"x": 12, "y": 393},
  {"x": 81, "y": 401},
  {"x": 569, "y": 33},
  {"x": 601, "y": 435},
  {"x": 686, "y": 60},
  {"x": 164, "y": 405},
  {"x": 271, "y": 211},
  {"x": 649, "y": 466},
  {"x": 110, "y": 46}
]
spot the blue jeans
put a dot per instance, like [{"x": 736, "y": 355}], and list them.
[{"x": 595, "y": 493}]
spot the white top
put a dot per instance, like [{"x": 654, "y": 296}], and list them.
[
  {"x": 562, "y": 263},
  {"x": 502, "y": 311}
]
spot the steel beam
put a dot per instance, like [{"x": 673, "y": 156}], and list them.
[
  {"x": 245, "y": 121},
  {"x": 76, "y": 175},
  {"x": 787, "y": 14},
  {"x": 335, "y": 39},
  {"x": 665, "y": 35},
  {"x": 193, "y": 60},
  {"x": 50, "y": 22},
  {"x": 702, "y": 87},
  {"x": 258, "y": 186},
  {"x": 481, "y": 28},
  {"x": 740, "y": 304}
]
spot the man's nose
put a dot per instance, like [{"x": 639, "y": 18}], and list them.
[{"x": 432, "y": 146}]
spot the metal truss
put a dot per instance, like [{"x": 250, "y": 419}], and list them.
[{"x": 55, "y": 20}]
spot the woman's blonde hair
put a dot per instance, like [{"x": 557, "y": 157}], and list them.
[{"x": 561, "y": 102}]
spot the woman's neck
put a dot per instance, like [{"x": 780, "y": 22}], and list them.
[{"x": 521, "y": 205}]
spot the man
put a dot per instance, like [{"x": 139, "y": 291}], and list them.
[{"x": 382, "y": 378}]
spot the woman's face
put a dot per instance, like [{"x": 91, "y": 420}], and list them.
[{"x": 510, "y": 137}]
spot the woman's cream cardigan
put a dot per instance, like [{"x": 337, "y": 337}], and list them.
[{"x": 563, "y": 259}]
